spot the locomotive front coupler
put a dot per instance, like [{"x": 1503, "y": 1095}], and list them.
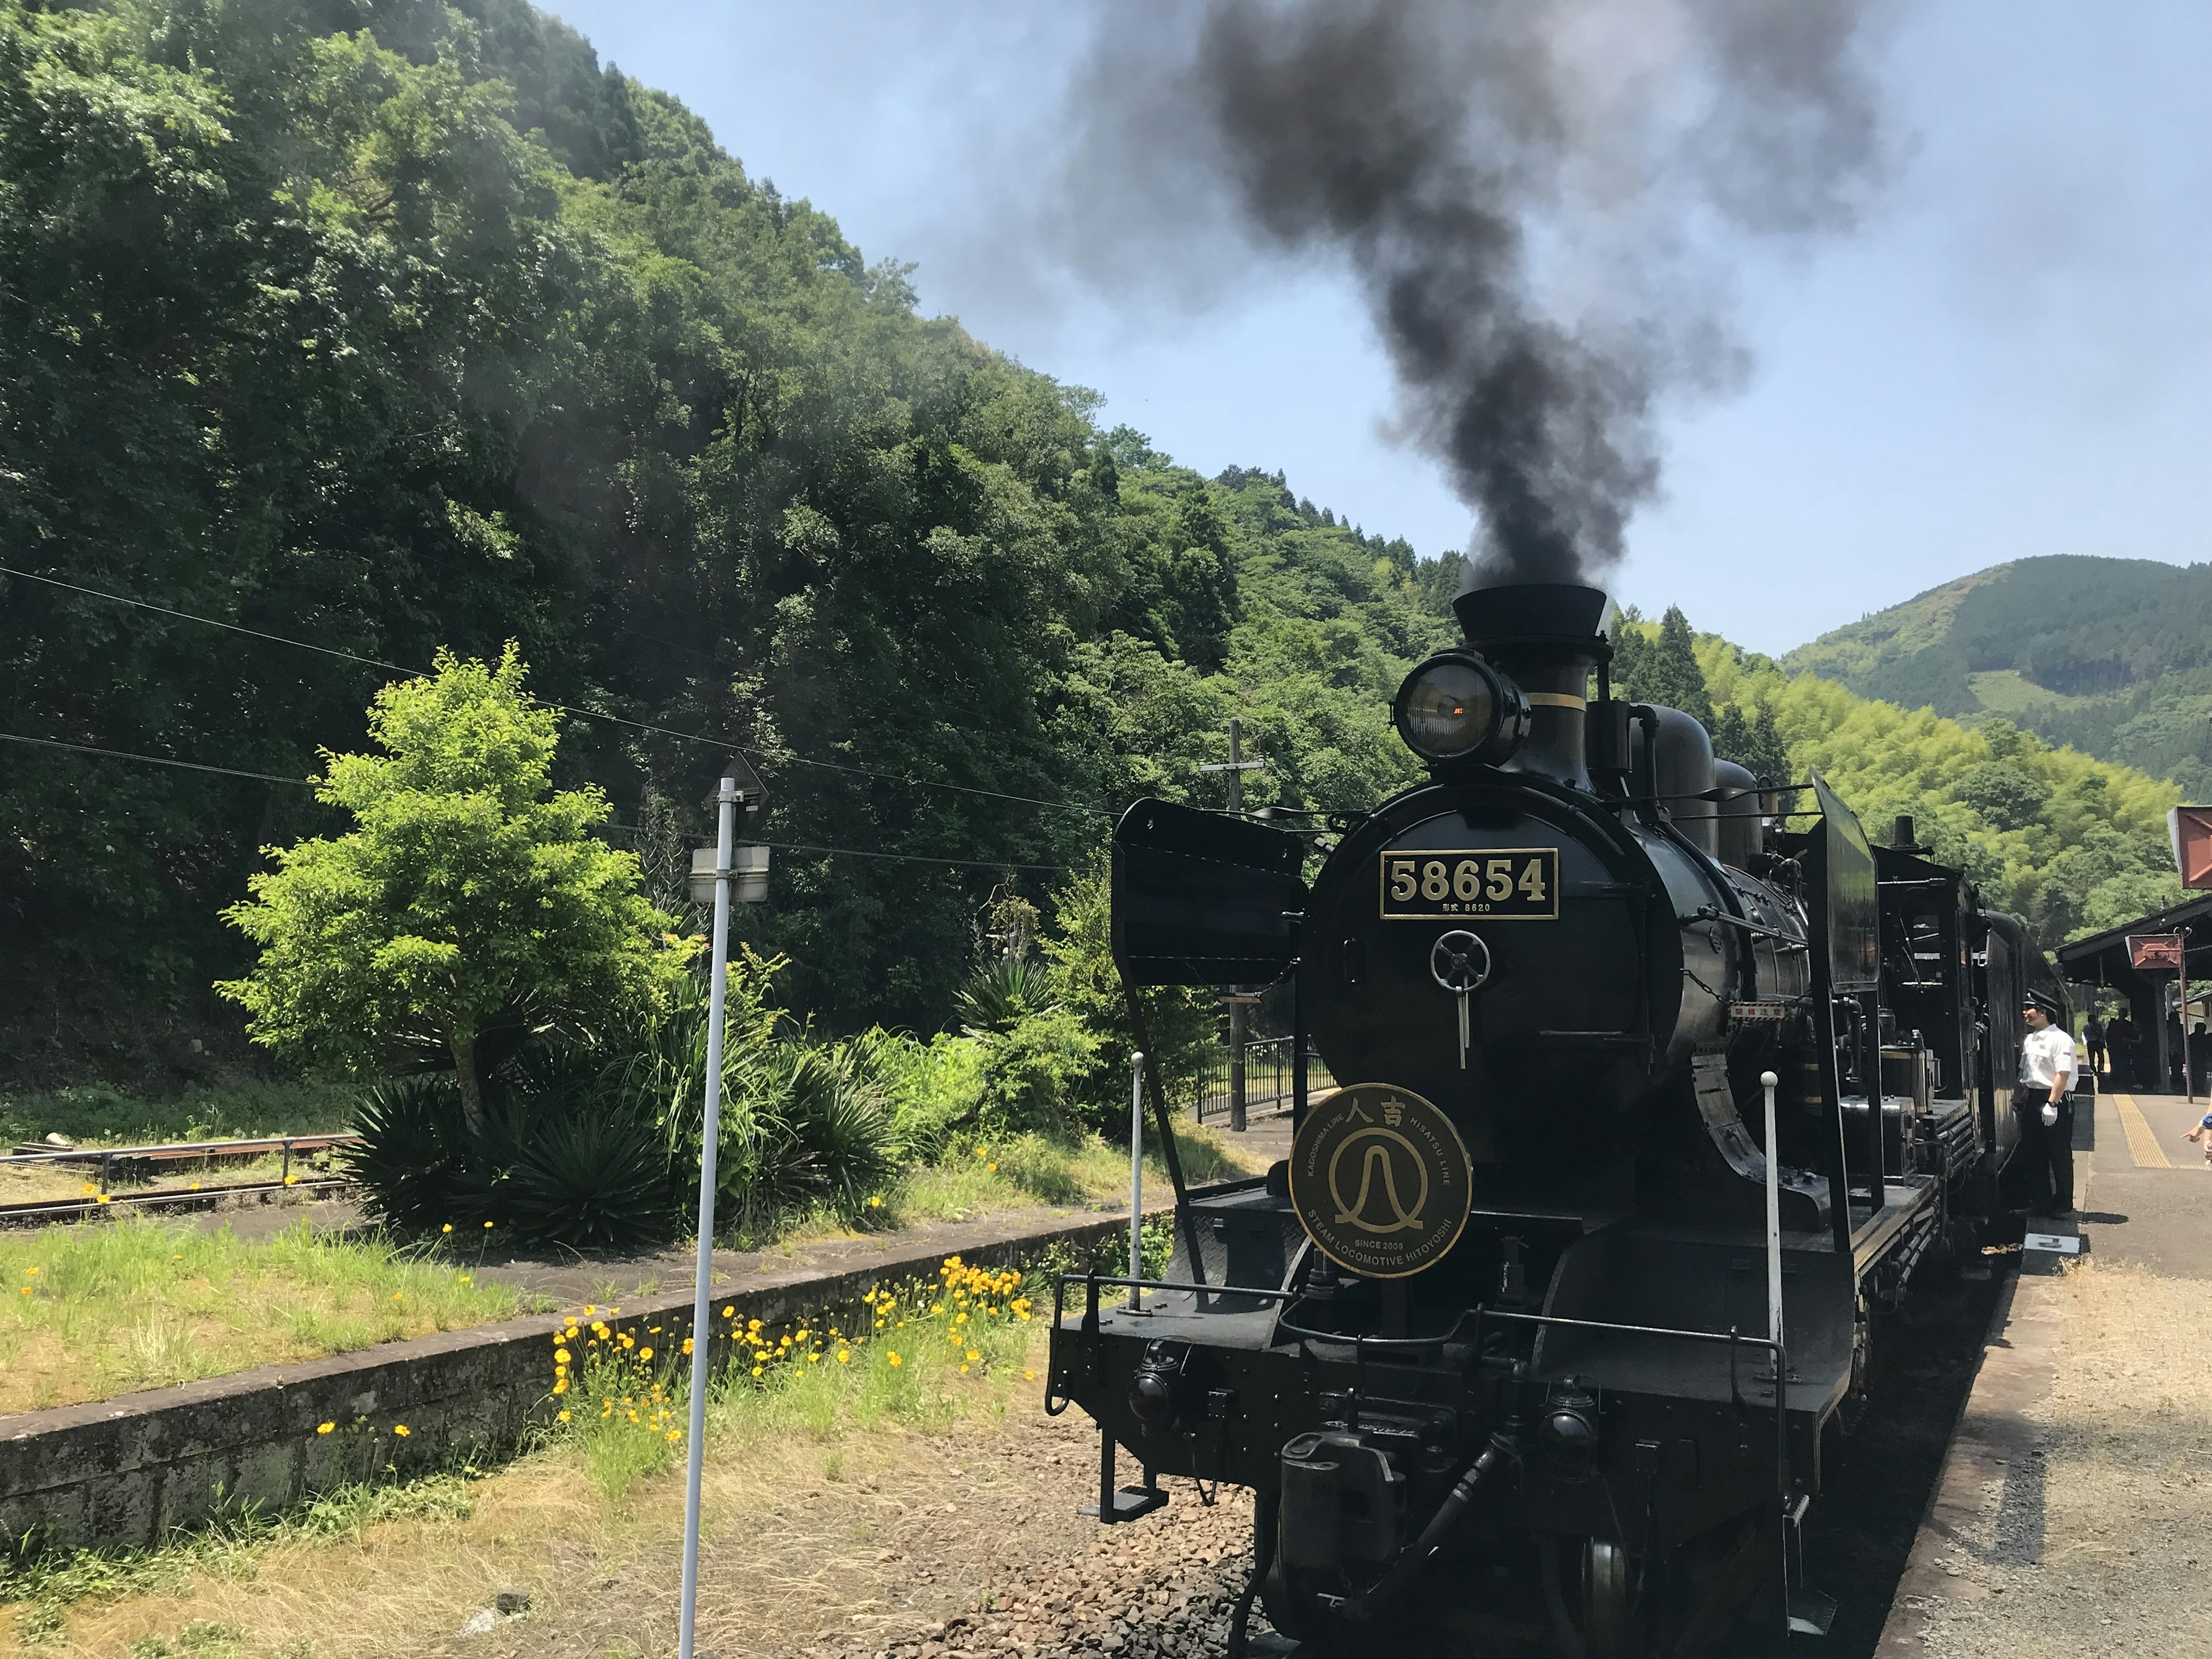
[{"x": 1159, "y": 1390}]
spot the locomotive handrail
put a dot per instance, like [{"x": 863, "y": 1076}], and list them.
[
  {"x": 1708, "y": 913},
  {"x": 1172, "y": 1284},
  {"x": 1357, "y": 1342},
  {"x": 1730, "y": 1337}
]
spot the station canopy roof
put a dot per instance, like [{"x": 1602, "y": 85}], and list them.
[{"x": 2102, "y": 958}]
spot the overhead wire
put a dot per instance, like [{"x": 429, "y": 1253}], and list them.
[
  {"x": 722, "y": 744},
  {"x": 629, "y": 829}
]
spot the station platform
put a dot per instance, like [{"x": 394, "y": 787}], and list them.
[{"x": 2070, "y": 1514}]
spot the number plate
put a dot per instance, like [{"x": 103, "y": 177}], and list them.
[{"x": 1505, "y": 884}]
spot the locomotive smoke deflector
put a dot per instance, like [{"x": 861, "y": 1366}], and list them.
[{"x": 1546, "y": 637}]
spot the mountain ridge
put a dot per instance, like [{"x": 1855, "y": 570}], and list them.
[{"x": 2111, "y": 656}]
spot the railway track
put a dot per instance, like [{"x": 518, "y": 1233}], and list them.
[
  {"x": 1165, "y": 1587},
  {"x": 113, "y": 1174}
]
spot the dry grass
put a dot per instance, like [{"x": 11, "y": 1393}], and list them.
[
  {"x": 813, "y": 1532},
  {"x": 2100, "y": 1540},
  {"x": 983, "y": 1177},
  {"x": 106, "y": 1306}
]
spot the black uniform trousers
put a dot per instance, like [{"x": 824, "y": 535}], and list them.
[{"x": 2047, "y": 1152}]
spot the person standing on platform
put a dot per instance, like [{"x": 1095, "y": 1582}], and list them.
[
  {"x": 2092, "y": 1039},
  {"x": 2120, "y": 1040},
  {"x": 2045, "y": 1111}
]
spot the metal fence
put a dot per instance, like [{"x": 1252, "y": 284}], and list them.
[{"x": 1267, "y": 1066}]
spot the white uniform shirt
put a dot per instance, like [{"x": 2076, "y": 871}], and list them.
[{"x": 2045, "y": 1056}]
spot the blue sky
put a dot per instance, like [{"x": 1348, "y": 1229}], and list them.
[{"x": 2011, "y": 357}]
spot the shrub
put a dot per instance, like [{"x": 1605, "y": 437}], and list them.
[
  {"x": 805, "y": 1121},
  {"x": 564, "y": 1156}
]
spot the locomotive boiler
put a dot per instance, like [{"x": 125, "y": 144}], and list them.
[{"x": 1541, "y": 1333}]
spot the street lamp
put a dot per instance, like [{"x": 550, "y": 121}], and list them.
[{"x": 729, "y": 873}]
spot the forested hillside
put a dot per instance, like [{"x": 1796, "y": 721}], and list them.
[
  {"x": 2113, "y": 656},
  {"x": 394, "y": 325},
  {"x": 376, "y": 326},
  {"x": 2071, "y": 843}
]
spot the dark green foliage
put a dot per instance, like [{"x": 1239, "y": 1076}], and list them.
[
  {"x": 805, "y": 1121},
  {"x": 440, "y": 333},
  {"x": 2007, "y": 795},
  {"x": 1662, "y": 670},
  {"x": 2113, "y": 656},
  {"x": 565, "y": 1158},
  {"x": 1753, "y": 743},
  {"x": 412, "y": 1162},
  {"x": 1001, "y": 991}
]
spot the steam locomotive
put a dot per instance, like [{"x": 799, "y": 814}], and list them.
[{"x": 1542, "y": 1333}]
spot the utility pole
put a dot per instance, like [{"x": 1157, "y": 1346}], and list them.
[
  {"x": 730, "y": 873},
  {"x": 1237, "y": 1004}
]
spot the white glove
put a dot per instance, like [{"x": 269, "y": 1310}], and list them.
[{"x": 2050, "y": 1114}]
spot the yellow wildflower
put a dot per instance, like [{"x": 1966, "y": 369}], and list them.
[
  {"x": 325, "y": 1428},
  {"x": 400, "y": 1429}
]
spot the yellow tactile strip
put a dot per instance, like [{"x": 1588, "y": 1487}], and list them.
[{"x": 2142, "y": 1144}]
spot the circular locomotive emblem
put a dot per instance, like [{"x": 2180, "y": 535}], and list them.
[{"x": 1379, "y": 1178}]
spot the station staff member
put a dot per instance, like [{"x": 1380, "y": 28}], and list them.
[{"x": 2046, "y": 1112}]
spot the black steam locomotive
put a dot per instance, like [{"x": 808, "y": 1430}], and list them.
[{"x": 1496, "y": 1348}]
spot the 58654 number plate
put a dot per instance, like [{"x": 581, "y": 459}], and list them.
[{"x": 1505, "y": 884}]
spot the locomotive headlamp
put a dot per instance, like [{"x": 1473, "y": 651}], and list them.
[{"x": 1456, "y": 707}]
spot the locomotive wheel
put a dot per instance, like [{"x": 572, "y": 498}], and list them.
[
  {"x": 1609, "y": 1621},
  {"x": 1596, "y": 1612}
]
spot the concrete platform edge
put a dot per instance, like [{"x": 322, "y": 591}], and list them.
[
  {"x": 129, "y": 1471},
  {"x": 1989, "y": 1448}
]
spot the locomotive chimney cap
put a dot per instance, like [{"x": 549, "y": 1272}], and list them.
[{"x": 1532, "y": 612}]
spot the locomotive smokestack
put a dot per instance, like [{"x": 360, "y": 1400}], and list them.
[{"x": 1547, "y": 636}]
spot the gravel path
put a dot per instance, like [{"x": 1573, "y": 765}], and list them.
[{"x": 2096, "y": 1537}]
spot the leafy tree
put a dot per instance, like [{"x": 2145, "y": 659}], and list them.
[
  {"x": 1752, "y": 742},
  {"x": 469, "y": 895},
  {"x": 2005, "y": 793},
  {"x": 1664, "y": 670}
]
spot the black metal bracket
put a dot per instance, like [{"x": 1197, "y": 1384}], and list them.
[{"x": 1115, "y": 1506}]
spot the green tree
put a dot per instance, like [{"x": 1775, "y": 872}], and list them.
[
  {"x": 1752, "y": 741},
  {"x": 1665, "y": 672},
  {"x": 470, "y": 894}
]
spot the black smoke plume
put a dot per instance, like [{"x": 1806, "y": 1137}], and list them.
[{"x": 1536, "y": 197}]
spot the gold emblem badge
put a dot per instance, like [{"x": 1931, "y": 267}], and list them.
[{"x": 1379, "y": 1178}]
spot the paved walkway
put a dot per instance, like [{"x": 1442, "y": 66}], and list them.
[
  {"x": 2070, "y": 1516},
  {"x": 2148, "y": 1198}
]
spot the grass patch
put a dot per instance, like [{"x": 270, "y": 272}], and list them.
[
  {"x": 97, "y": 1115},
  {"x": 108, "y": 1306},
  {"x": 829, "y": 1440},
  {"x": 979, "y": 1176},
  {"x": 907, "y": 1354}
]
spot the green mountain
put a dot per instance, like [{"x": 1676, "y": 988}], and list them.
[
  {"x": 2112, "y": 656},
  {"x": 389, "y": 325}
]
